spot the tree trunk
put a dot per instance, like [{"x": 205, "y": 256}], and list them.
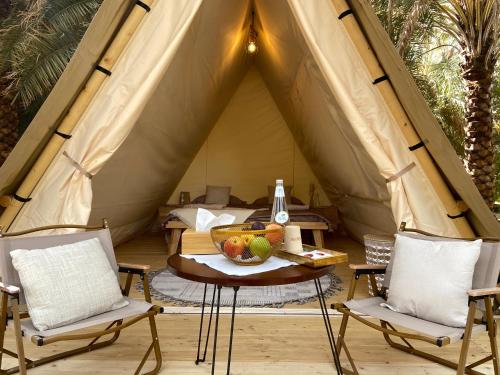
[
  {"x": 9, "y": 122},
  {"x": 479, "y": 148}
]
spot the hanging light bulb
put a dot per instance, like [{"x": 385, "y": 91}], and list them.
[{"x": 252, "y": 38}]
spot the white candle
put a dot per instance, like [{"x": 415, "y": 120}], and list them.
[{"x": 293, "y": 240}]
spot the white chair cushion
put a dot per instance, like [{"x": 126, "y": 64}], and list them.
[
  {"x": 430, "y": 279},
  {"x": 68, "y": 283}
]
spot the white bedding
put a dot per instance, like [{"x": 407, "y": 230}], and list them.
[{"x": 188, "y": 215}]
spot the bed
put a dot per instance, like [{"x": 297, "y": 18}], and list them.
[{"x": 317, "y": 220}]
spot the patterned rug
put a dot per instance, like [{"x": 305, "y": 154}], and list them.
[{"x": 167, "y": 287}]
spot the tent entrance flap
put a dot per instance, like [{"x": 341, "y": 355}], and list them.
[{"x": 185, "y": 106}]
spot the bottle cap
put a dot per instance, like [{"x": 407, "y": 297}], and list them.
[{"x": 279, "y": 181}]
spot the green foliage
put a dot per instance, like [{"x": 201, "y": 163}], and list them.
[
  {"x": 37, "y": 40},
  {"x": 433, "y": 57}
]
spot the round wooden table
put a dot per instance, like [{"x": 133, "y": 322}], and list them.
[{"x": 191, "y": 270}]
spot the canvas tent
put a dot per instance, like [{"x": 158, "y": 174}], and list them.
[{"x": 151, "y": 78}]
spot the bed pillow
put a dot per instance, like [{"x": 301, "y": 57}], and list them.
[
  {"x": 271, "y": 190},
  {"x": 65, "y": 284},
  {"x": 430, "y": 279},
  {"x": 217, "y": 195}
]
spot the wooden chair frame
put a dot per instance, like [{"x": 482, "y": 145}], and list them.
[
  {"x": 388, "y": 330},
  {"x": 10, "y": 310}
]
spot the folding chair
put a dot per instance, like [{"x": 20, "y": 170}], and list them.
[
  {"x": 12, "y": 298},
  {"x": 481, "y": 299}
]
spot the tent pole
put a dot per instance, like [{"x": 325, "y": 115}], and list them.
[
  {"x": 386, "y": 90},
  {"x": 68, "y": 123}
]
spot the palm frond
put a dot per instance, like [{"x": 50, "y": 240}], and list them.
[{"x": 67, "y": 15}]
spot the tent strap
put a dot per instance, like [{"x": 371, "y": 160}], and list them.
[
  {"x": 146, "y": 7},
  {"x": 401, "y": 172},
  {"x": 417, "y": 145},
  {"x": 103, "y": 70},
  {"x": 21, "y": 199},
  {"x": 345, "y": 13},
  {"x": 461, "y": 214},
  {"x": 63, "y": 135},
  {"x": 383, "y": 78},
  {"x": 78, "y": 166}
]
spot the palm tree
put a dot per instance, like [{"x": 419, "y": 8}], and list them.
[
  {"x": 475, "y": 24},
  {"x": 37, "y": 40},
  {"x": 9, "y": 118}
]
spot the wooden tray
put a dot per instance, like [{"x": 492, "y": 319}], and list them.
[{"x": 338, "y": 257}]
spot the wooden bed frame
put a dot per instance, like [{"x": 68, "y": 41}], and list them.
[{"x": 176, "y": 227}]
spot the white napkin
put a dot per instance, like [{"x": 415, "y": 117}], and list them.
[
  {"x": 205, "y": 220},
  {"x": 220, "y": 263}
]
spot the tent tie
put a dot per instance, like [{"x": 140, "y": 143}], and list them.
[
  {"x": 103, "y": 70},
  {"x": 63, "y": 135},
  {"x": 400, "y": 173},
  {"x": 345, "y": 13},
  {"x": 461, "y": 214},
  {"x": 417, "y": 146},
  {"x": 21, "y": 199},
  {"x": 146, "y": 7},
  {"x": 383, "y": 78},
  {"x": 78, "y": 166}
]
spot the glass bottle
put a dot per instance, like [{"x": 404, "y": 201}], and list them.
[{"x": 279, "y": 214}]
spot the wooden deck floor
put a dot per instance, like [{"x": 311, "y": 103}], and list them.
[{"x": 263, "y": 345}]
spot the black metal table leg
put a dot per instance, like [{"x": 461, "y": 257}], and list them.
[
  {"x": 328, "y": 326},
  {"x": 198, "y": 359},
  {"x": 201, "y": 324},
  {"x": 214, "y": 352},
  {"x": 235, "y": 288}
]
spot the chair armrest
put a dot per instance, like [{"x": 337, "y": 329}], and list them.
[
  {"x": 9, "y": 289},
  {"x": 368, "y": 269},
  {"x": 480, "y": 293},
  {"x": 139, "y": 269}
]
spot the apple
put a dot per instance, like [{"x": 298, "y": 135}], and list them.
[
  {"x": 247, "y": 239},
  {"x": 277, "y": 236},
  {"x": 260, "y": 247},
  {"x": 234, "y": 246}
]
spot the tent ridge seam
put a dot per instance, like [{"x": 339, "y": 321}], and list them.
[{"x": 144, "y": 6}]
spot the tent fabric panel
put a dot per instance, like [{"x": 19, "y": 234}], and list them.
[
  {"x": 413, "y": 199},
  {"x": 318, "y": 122},
  {"x": 249, "y": 147},
  {"x": 97, "y": 37},
  {"x": 422, "y": 118},
  {"x": 175, "y": 122},
  {"x": 109, "y": 118},
  {"x": 297, "y": 85}
]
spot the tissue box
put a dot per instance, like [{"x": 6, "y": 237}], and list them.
[{"x": 193, "y": 242}]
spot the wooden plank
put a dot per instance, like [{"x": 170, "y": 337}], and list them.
[{"x": 263, "y": 345}]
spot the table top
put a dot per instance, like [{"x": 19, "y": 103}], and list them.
[{"x": 191, "y": 270}]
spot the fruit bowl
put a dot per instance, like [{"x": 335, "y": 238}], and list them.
[{"x": 247, "y": 244}]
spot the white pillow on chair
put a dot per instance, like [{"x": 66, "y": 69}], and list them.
[
  {"x": 67, "y": 283},
  {"x": 430, "y": 279}
]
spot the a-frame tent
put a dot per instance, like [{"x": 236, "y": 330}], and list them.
[{"x": 151, "y": 77}]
